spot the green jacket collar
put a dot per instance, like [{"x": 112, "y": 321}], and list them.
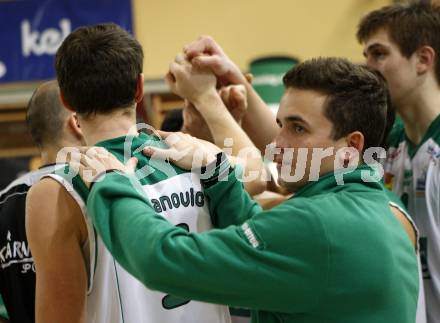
[{"x": 333, "y": 181}]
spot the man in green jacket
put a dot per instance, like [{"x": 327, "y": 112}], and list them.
[{"x": 332, "y": 253}]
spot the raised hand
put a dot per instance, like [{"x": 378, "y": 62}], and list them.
[
  {"x": 188, "y": 81},
  {"x": 233, "y": 97},
  {"x": 206, "y": 53}
]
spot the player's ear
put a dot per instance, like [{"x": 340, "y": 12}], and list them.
[
  {"x": 425, "y": 59},
  {"x": 139, "y": 88},
  {"x": 350, "y": 148},
  {"x": 356, "y": 140},
  {"x": 74, "y": 126}
]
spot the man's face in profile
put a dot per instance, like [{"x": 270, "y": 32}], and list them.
[
  {"x": 303, "y": 127},
  {"x": 383, "y": 55}
]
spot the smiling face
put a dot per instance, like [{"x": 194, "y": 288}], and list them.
[
  {"x": 303, "y": 125},
  {"x": 383, "y": 55}
]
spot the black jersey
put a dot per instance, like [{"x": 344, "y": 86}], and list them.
[{"x": 17, "y": 271}]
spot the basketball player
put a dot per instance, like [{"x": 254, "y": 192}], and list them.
[
  {"x": 52, "y": 127},
  {"x": 99, "y": 70},
  {"x": 206, "y": 53},
  {"x": 403, "y": 43}
]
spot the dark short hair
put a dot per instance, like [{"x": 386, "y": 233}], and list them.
[
  {"x": 409, "y": 26},
  {"x": 46, "y": 115},
  {"x": 356, "y": 96},
  {"x": 98, "y": 68}
]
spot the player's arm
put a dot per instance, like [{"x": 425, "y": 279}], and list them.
[
  {"x": 56, "y": 230},
  {"x": 247, "y": 265},
  {"x": 259, "y": 122},
  {"x": 223, "y": 127},
  {"x": 234, "y": 99},
  {"x": 198, "y": 86}
]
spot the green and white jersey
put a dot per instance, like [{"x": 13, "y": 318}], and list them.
[
  {"x": 413, "y": 173},
  {"x": 116, "y": 296}
]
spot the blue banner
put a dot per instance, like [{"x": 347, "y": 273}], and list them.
[{"x": 32, "y": 30}]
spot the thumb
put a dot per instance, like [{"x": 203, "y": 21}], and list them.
[
  {"x": 131, "y": 165},
  {"x": 214, "y": 63}
]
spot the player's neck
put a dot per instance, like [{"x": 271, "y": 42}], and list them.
[
  {"x": 419, "y": 111},
  {"x": 49, "y": 156},
  {"x": 49, "y": 153},
  {"x": 102, "y": 127}
]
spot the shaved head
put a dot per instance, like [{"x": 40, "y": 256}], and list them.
[{"x": 46, "y": 115}]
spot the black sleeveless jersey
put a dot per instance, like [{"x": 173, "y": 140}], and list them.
[{"x": 17, "y": 270}]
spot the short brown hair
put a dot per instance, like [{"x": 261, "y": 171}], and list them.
[
  {"x": 46, "y": 115},
  {"x": 356, "y": 96},
  {"x": 98, "y": 68},
  {"x": 410, "y": 26}
]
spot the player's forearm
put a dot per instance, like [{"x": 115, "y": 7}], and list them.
[
  {"x": 221, "y": 124},
  {"x": 259, "y": 122},
  {"x": 223, "y": 127}
]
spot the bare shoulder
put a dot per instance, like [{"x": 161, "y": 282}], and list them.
[
  {"x": 51, "y": 210},
  {"x": 44, "y": 190}
]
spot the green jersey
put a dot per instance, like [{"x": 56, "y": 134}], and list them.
[
  {"x": 413, "y": 173},
  {"x": 332, "y": 253}
]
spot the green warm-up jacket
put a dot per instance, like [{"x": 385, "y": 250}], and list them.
[{"x": 332, "y": 253}]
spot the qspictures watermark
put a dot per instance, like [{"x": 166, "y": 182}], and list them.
[{"x": 294, "y": 164}]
